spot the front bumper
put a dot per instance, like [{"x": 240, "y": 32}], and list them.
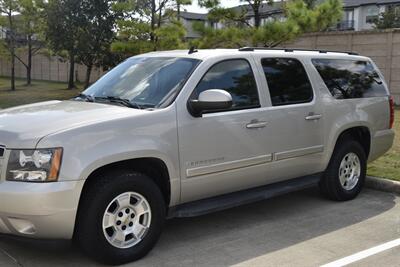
[{"x": 39, "y": 210}]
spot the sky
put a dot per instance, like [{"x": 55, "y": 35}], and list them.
[{"x": 225, "y": 3}]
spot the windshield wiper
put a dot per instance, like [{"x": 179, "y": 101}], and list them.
[
  {"x": 122, "y": 101},
  {"x": 87, "y": 98}
]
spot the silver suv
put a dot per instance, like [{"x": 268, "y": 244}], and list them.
[{"x": 178, "y": 133}]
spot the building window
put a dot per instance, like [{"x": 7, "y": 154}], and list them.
[
  {"x": 372, "y": 14},
  {"x": 395, "y": 9},
  {"x": 348, "y": 15}
]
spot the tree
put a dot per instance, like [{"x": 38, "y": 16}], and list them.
[
  {"x": 317, "y": 18},
  {"x": 232, "y": 15},
  {"x": 388, "y": 19},
  {"x": 255, "y": 6},
  {"x": 83, "y": 28},
  {"x": 150, "y": 26},
  {"x": 133, "y": 37},
  {"x": 154, "y": 11},
  {"x": 30, "y": 25},
  {"x": 179, "y": 4},
  {"x": 299, "y": 18},
  {"x": 95, "y": 43},
  {"x": 229, "y": 17},
  {"x": 170, "y": 36},
  {"x": 8, "y": 8},
  {"x": 227, "y": 37},
  {"x": 65, "y": 21}
]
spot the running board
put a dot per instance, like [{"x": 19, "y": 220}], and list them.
[{"x": 227, "y": 201}]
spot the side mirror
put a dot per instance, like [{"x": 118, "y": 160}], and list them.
[{"x": 210, "y": 100}]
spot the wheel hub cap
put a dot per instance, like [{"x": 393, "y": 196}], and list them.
[
  {"x": 126, "y": 220},
  {"x": 349, "y": 171}
]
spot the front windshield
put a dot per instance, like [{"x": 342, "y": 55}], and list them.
[{"x": 149, "y": 82}]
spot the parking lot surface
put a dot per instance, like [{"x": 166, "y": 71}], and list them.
[{"x": 298, "y": 229}]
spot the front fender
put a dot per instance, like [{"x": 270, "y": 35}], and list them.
[{"x": 90, "y": 147}]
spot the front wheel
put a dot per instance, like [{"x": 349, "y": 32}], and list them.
[
  {"x": 345, "y": 175},
  {"x": 120, "y": 217}
]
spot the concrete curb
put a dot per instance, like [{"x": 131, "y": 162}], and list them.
[{"x": 382, "y": 184}]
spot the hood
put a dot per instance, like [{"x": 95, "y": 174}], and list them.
[{"x": 24, "y": 126}]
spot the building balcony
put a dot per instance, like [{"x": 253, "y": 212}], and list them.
[{"x": 343, "y": 25}]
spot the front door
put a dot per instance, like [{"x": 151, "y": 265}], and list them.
[{"x": 224, "y": 151}]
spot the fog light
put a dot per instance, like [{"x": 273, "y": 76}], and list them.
[{"x": 22, "y": 226}]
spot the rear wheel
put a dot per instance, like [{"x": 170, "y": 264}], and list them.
[
  {"x": 120, "y": 217},
  {"x": 345, "y": 175}
]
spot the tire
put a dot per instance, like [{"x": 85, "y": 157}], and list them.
[
  {"x": 116, "y": 193},
  {"x": 334, "y": 184}
]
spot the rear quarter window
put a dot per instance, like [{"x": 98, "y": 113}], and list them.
[{"x": 350, "y": 78}]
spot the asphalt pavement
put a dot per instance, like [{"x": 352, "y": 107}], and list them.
[{"x": 297, "y": 229}]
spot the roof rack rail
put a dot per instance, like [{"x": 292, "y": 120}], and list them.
[{"x": 297, "y": 49}]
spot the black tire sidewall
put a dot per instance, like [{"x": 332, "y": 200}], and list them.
[
  {"x": 91, "y": 232},
  {"x": 345, "y": 147}
]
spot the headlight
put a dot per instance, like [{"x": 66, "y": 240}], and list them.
[{"x": 40, "y": 165}]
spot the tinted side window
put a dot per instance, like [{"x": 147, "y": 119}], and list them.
[
  {"x": 234, "y": 76},
  {"x": 350, "y": 78},
  {"x": 287, "y": 81}
]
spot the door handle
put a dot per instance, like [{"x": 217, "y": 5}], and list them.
[
  {"x": 255, "y": 124},
  {"x": 313, "y": 117}
]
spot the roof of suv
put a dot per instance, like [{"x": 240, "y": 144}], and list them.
[{"x": 208, "y": 53}]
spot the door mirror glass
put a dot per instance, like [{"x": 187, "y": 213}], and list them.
[{"x": 210, "y": 100}]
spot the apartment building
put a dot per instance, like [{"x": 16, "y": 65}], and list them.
[{"x": 358, "y": 15}]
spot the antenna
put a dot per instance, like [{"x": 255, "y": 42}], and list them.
[{"x": 192, "y": 50}]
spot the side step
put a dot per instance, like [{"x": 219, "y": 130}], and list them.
[{"x": 209, "y": 205}]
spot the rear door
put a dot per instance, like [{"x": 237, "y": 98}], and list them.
[{"x": 295, "y": 120}]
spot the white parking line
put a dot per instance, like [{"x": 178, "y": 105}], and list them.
[{"x": 363, "y": 254}]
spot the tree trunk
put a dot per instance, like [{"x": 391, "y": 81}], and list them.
[
  {"x": 153, "y": 19},
  {"x": 71, "y": 83},
  {"x": 12, "y": 50},
  {"x": 178, "y": 9},
  {"x": 256, "y": 10},
  {"x": 88, "y": 73},
  {"x": 257, "y": 19},
  {"x": 159, "y": 18},
  {"x": 12, "y": 70},
  {"x": 29, "y": 65}
]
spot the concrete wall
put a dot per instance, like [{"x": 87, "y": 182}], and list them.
[
  {"x": 48, "y": 68},
  {"x": 382, "y": 46}
]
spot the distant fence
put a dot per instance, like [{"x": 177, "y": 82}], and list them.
[
  {"x": 382, "y": 46},
  {"x": 49, "y": 69}
]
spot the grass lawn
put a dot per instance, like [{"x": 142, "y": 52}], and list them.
[
  {"x": 38, "y": 91},
  {"x": 388, "y": 166}
]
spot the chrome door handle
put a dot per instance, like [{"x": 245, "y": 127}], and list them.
[
  {"x": 313, "y": 117},
  {"x": 254, "y": 124}
]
